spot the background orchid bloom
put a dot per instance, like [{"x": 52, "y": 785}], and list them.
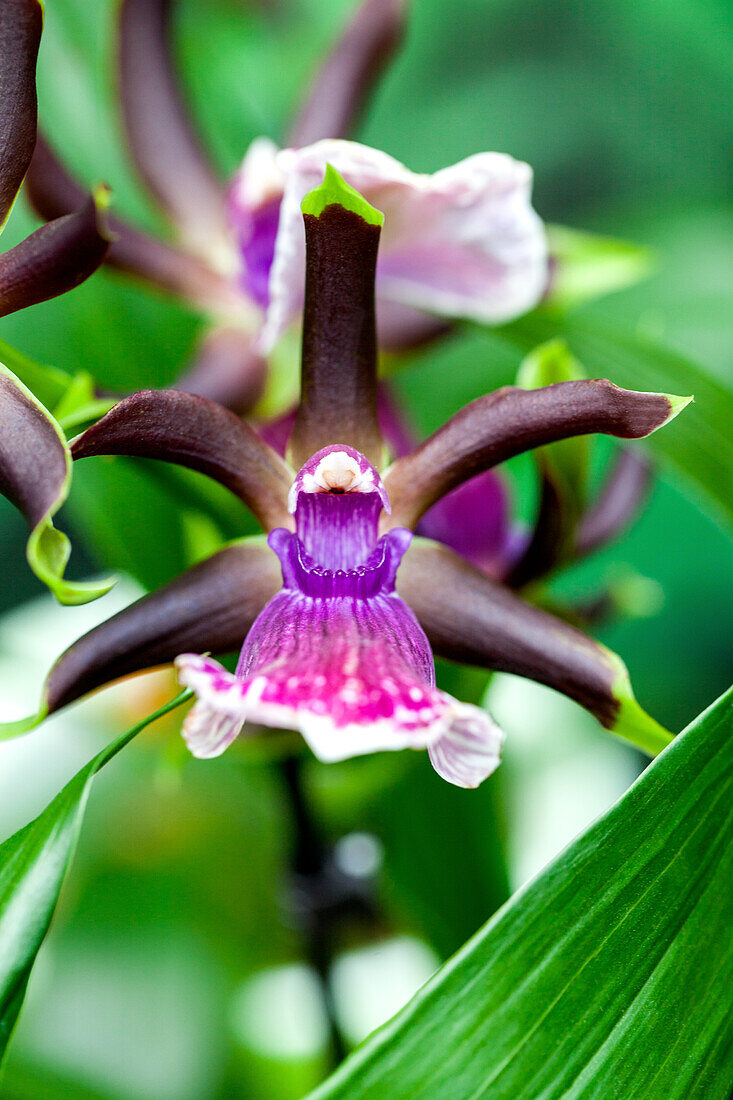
[
  {"x": 60, "y": 255},
  {"x": 464, "y": 242},
  {"x": 464, "y": 614},
  {"x": 461, "y": 243},
  {"x": 35, "y": 466}
]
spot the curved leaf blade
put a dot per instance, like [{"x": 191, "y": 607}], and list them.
[
  {"x": 35, "y": 474},
  {"x": 610, "y": 975},
  {"x": 33, "y": 863}
]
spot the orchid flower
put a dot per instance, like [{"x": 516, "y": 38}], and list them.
[
  {"x": 34, "y": 461},
  {"x": 340, "y": 607},
  {"x": 462, "y": 243}
]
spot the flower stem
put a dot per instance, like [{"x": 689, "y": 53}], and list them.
[{"x": 312, "y": 898}]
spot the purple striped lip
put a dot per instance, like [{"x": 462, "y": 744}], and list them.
[{"x": 336, "y": 653}]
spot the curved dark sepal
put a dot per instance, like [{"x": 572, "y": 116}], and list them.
[
  {"x": 35, "y": 472},
  {"x": 402, "y": 328},
  {"x": 21, "y": 24},
  {"x": 226, "y": 369},
  {"x": 55, "y": 258},
  {"x": 476, "y": 621},
  {"x": 166, "y": 151},
  {"x": 53, "y": 192},
  {"x": 346, "y": 78},
  {"x": 195, "y": 432},
  {"x": 511, "y": 421},
  {"x": 209, "y": 608},
  {"x": 618, "y": 501},
  {"x": 338, "y": 400},
  {"x": 562, "y": 469}
]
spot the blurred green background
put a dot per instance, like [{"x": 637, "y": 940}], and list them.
[{"x": 170, "y": 973}]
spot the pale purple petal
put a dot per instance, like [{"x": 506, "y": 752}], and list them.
[
  {"x": 253, "y": 206},
  {"x": 464, "y": 242},
  {"x": 470, "y": 749}
]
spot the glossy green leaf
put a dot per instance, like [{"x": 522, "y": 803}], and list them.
[
  {"x": 611, "y": 975},
  {"x": 33, "y": 864},
  {"x": 699, "y": 443},
  {"x": 71, "y": 398},
  {"x": 48, "y": 384}
]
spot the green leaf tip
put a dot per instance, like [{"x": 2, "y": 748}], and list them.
[
  {"x": 632, "y": 723},
  {"x": 677, "y": 404},
  {"x": 19, "y": 726},
  {"x": 47, "y": 552},
  {"x": 335, "y": 191}
]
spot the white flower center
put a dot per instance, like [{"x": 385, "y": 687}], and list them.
[{"x": 338, "y": 472}]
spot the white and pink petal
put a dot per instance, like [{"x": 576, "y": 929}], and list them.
[{"x": 464, "y": 242}]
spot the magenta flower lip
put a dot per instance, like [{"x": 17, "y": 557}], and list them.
[{"x": 336, "y": 653}]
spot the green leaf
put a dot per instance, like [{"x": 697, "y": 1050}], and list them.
[
  {"x": 33, "y": 864},
  {"x": 335, "y": 191},
  {"x": 700, "y": 443},
  {"x": 589, "y": 266},
  {"x": 611, "y": 975},
  {"x": 48, "y": 384}
]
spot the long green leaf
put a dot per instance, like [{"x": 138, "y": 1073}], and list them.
[
  {"x": 611, "y": 975},
  {"x": 33, "y": 864},
  {"x": 699, "y": 443}
]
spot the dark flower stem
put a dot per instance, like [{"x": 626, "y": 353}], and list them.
[{"x": 310, "y": 900}]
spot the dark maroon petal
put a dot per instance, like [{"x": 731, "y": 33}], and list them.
[
  {"x": 52, "y": 192},
  {"x": 474, "y": 620},
  {"x": 551, "y": 540},
  {"x": 509, "y": 422},
  {"x": 226, "y": 370},
  {"x": 398, "y": 435},
  {"x": 34, "y": 464},
  {"x": 54, "y": 259},
  {"x": 192, "y": 431},
  {"x": 402, "y": 328},
  {"x": 619, "y": 500},
  {"x": 277, "y": 432},
  {"x": 166, "y": 151},
  {"x": 21, "y": 24},
  {"x": 339, "y": 365},
  {"x": 35, "y": 472},
  {"x": 209, "y": 608},
  {"x": 346, "y": 78}
]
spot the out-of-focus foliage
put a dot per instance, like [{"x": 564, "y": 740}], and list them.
[
  {"x": 169, "y": 937},
  {"x": 34, "y": 862}
]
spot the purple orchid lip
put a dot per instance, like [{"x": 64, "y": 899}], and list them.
[{"x": 336, "y": 653}]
